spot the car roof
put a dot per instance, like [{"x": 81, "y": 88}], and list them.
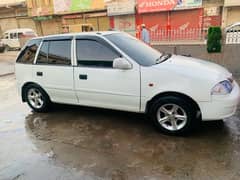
[
  {"x": 93, "y": 33},
  {"x": 19, "y": 30},
  {"x": 232, "y": 25}
]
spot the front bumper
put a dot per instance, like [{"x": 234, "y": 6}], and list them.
[{"x": 221, "y": 106}]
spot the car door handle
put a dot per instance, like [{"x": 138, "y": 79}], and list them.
[
  {"x": 83, "y": 76},
  {"x": 39, "y": 74}
]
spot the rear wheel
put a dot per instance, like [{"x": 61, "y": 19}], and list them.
[
  {"x": 174, "y": 115},
  {"x": 37, "y": 99}
]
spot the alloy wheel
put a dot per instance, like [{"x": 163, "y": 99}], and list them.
[
  {"x": 35, "y": 98},
  {"x": 172, "y": 117}
]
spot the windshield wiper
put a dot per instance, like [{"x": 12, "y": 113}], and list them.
[{"x": 163, "y": 57}]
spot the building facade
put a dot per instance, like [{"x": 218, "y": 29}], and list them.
[
  {"x": 231, "y": 12},
  {"x": 13, "y": 14},
  {"x": 171, "y": 20},
  {"x": 82, "y": 16},
  {"x": 122, "y": 15},
  {"x": 167, "y": 20},
  {"x": 62, "y": 16}
]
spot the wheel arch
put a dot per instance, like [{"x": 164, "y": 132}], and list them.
[
  {"x": 174, "y": 94},
  {"x": 24, "y": 88}
]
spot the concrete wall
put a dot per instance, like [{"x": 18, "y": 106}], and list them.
[
  {"x": 231, "y": 3},
  {"x": 230, "y": 56},
  {"x": 8, "y": 23},
  {"x": 212, "y": 3},
  {"x": 49, "y": 27},
  {"x": 233, "y": 15}
]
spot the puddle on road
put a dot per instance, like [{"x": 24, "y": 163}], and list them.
[
  {"x": 87, "y": 143},
  {"x": 88, "y": 140}
]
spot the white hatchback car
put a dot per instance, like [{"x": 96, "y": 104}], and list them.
[{"x": 116, "y": 71}]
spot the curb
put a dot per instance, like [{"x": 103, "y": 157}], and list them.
[{"x": 8, "y": 74}]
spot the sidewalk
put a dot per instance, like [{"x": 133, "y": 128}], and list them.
[{"x": 7, "y": 62}]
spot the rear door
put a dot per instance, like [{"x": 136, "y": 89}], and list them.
[{"x": 53, "y": 69}]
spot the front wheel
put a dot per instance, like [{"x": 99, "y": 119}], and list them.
[
  {"x": 173, "y": 115},
  {"x": 37, "y": 99}
]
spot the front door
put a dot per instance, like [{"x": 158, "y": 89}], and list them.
[
  {"x": 53, "y": 70},
  {"x": 98, "y": 84}
]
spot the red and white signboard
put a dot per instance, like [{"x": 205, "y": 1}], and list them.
[{"x": 144, "y": 6}]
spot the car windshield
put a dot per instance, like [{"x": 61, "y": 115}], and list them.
[{"x": 136, "y": 49}]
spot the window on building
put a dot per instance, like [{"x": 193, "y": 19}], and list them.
[
  {"x": 94, "y": 54},
  {"x": 27, "y": 56}
]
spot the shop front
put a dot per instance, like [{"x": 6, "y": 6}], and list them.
[
  {"x": 88, "y": 15},
  {"x": 84, "y": 22},
  {"x": 122, "y": 15},
  {"x": 171, "y": 20}
]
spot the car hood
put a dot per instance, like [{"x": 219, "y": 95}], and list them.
[{"x": 196, "y": 66}]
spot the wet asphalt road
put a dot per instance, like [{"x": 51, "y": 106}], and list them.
[{"x": 87, "y": 143}]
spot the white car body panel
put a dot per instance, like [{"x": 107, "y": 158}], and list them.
[
  {"x": 12, "y": 43},
  {"x": 57, "y": 81},
  {"x": 109, "y": 88},
  {"x": 131, "y": 90},
  {"x": 233, "y": 33},
  {"x": 23, "y": 75},
  {"x": 179, "y": 75}
]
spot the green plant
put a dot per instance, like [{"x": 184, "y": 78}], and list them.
[{"x": 214, "y": 39}]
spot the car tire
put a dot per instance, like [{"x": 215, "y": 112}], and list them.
[
  {"x": 174, "y": 115},
  {"x": 37, "y": 98}
]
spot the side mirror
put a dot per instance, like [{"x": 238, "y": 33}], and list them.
[{"x": 121, "y": 63}]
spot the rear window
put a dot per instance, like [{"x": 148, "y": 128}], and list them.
[{"x": 28, "y": 54}]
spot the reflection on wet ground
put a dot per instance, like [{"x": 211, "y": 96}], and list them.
[{"x": 88, "y": 143}]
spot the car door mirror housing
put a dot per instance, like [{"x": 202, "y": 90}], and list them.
[{"x": 121, "y": 63}]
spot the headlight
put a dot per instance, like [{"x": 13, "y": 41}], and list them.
[{"x": 222, "y": 88}]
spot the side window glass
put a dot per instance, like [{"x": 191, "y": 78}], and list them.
[
  {"x": 43, "y": 54},
  {"x": 55, "y": 52},
  {"x": 94, "y": 54},
  {"x": 27, "y": 56},
  {"x": 5, "y": 36},
  {"x": 59, "y": 52},
  {"x": 13, "y": 35}
]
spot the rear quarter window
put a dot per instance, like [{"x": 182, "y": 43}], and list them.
[{"x": 28, "y": 54}]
